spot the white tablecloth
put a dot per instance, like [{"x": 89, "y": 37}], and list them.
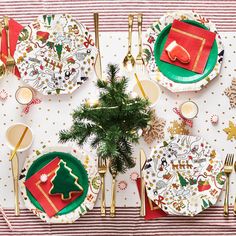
[{"x": 53, "y": 114}]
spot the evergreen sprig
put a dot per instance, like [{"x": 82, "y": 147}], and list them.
[{"x": 112, "y": 124}]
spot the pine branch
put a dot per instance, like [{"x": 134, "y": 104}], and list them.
[{"x": 112, "y": 124}]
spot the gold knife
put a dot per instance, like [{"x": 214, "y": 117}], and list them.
[
  {"x": 142, "y": 193},
  {"x": 98, "y": 63},
  {"x": 15, "y": 174}
]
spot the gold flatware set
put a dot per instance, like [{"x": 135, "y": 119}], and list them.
[
  {"x": 129, "y": 62},
  {"x": 142, "y": 192},
  {"x": 98, "y": 63},
  {"x": 113, "y": 191},
  {"x": 228, "y": 168},
  {"x": 10, "y": 62},
  {"x": 102, "y": 170}
]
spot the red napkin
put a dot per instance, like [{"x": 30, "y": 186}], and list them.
[
  {"x": 14, "y": 30},
  {"x": 152, "y": 210},
  {"x": 50, "y": 203},
  {"x": 197, "y": 42}
]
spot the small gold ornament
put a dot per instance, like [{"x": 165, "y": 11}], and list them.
[
  {"x": 178, "y": 128},
  {"x": 231, "y": 131},
  {"x": 155, "y": 129},
  {"x": 91, "y": 102}
]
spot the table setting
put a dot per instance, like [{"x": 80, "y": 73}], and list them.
[{"x": 117, "y": 133}]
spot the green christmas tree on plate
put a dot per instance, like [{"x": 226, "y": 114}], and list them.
[
  {"x": 65, "y": 182},
  {"x": 112, "y": 122},
  {"x": 182, "y": 180}
]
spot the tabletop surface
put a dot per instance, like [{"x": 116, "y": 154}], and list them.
[{"x": 53, "y": 114}]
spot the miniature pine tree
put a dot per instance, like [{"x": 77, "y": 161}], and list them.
[
  {"x": 205, "y": 204},
  {"x": 112, "y": 123},
  {"x": 65, "y": 182},
  {"x": 182, "y": 180}
]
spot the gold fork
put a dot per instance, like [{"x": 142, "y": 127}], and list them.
[
  {"x": 129, "y": 59},
  {"x": 235, "y": 197},
  {"x": 228, "y": 168},
  {"x": 10, "y": 63},
  {"x": 102, "y": 169},
  {"x": 139, "y": 59},
  {"x": 113, "y": 189}
]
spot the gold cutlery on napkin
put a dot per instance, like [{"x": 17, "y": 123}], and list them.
[
  {"x": 129, "y": 60},
  {"x": 113, "y": 191},
  {"x": 10, "y": 63},
  {"x": 139, "y": 59},
  {"x": 98, "y": 63},
  {"x": 142, "y": 192},
  {"x": 15, "y": 174},
  {"x": 102, "y": 169},
  {"x": 228, "y": 168}
]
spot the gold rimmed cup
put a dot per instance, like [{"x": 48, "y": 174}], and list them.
[
  {"x": 189, "y": 110},
  {"x": 24, "y": 95}
]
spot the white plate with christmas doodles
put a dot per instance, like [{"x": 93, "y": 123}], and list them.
[
  {"x": 173, "y": 77},
  {"x": 184, "y": 175},
  {"x": 59, "y": 184},
  {"x": 55, "y": 54}
]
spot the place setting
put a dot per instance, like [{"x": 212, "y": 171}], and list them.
[{"x": 142, "y": 135}]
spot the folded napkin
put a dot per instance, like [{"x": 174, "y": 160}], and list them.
[
  {"x": 14, "y": 30},
  {"x": 51, "y": 204},
  {"x": 152, "y": 210},
  {"x": 185, "y": 39}
]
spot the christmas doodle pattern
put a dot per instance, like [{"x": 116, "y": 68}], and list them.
[
  {"x": 55, "y": 54},
  {"x": 94, "y": 185},
  {"x": 184, "y": 175},
  {"x": 151, "y": 37}
]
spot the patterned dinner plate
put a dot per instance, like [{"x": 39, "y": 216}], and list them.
[
  {"x": 184, "y": 175},
  {"x": 83, "y": 166},
  {"x": 175, "y": 78},
  {"x": 55, "y": 54}
]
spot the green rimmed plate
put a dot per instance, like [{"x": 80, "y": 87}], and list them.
[
  {"x": 84, "y": 166},
  {"x": 176, "y": 73},
  {"x": 77, "y": 169},
  {"x": 173, "y": 78}
]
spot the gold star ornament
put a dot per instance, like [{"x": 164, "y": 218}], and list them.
[{"x": 231, "y": 131}]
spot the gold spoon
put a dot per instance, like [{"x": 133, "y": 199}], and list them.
[{"x": 129, "y": 59}]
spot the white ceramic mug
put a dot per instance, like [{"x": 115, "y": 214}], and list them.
[{"x": 13, "y": 134}]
